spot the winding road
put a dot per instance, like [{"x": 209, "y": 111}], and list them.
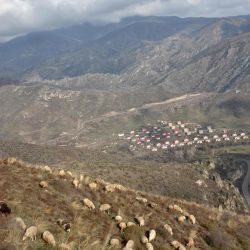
[{"x": 246, "y": 182}]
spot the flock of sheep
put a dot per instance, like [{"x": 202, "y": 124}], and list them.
[{"x": 77, "y": 181}]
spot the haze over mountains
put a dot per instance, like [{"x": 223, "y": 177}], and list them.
[{"x": 139, "y": 51}]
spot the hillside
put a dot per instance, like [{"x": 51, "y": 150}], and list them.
[{"x": 92, "y": 229}]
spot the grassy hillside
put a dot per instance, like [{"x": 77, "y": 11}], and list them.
[{"x": 19, "y": 187}]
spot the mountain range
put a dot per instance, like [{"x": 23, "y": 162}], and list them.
[{"x": 184, "y": 54}]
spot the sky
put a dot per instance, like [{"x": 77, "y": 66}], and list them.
[{"x": 19, "y": 17}]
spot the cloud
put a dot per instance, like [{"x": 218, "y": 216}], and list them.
[{"x": 18, "y": 17}]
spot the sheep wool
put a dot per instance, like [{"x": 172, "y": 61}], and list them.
[
  {"x": 144, "y": 239},
  {"x": 104, "y": 207},
  {"x": 140, "y": 221},
  {"x": 93, "y": 186},
  {"x": 118, "y": 218},
  {"x": 192, "y": 219},
  {"x": 151, "y": 235},
  {"x": 149, "y": 246},
  {"x": 31, "y": 233},
  {"x": 89, "y": 204},
  {"x": 43, "y": 184},
  {"x": 115, "y": 242},
  {"x": 181, "y": 219},
  {"x": 48, "y": 237},
  {"x": 122, "y": 225},
  {"x": 169, "y": 229}
]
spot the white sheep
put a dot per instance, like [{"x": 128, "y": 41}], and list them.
[
  {"x": 122, "y": 225},
  {"x": 181, "y": 219},
  {"x": 130, "y": 244},
  {"x": 130, "y": 224},
  {"x": 144, "y": 239},
  {"x": 89, "y": 204},
  {"x": 141, "y": 199},
  {"x": 21, "y": 223},
  {"x": 190, "y": 243},
  {"x": 48, "y": 169},
  {"x": 140, "y": 221},
  {"x": 169, "y": 229},
  {"x": 109, "y": 188},
  {"x": 192, "y": 219},
  {"x": 48, "y": 237},
  {"x": 43, "y": 184},
  {"x": 81, "y": 177},
  {"x": 149, "y": 246},
  {"x": 115, "y": 242},
  {"x": 178, "y": 209},
  {"x": 75, "y": 183},
  {"x": 105, "y": 207},
  {"x": 177, "y": 245},
  {"x": 31, "y": 233},
  {"x": 62, "y": 173},
  {"x": 69, "y": 173},
  {"x": 118, "y": 218},
  {"x": 93, "y": 186},
  {"x": 151, "y": 235}
]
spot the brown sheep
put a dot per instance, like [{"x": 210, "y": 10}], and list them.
[{"x": 4, "y": 209}]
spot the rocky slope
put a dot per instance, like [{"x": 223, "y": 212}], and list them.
[{"x": 43, "y": 205}]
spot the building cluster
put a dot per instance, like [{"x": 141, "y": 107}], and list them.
[{"x": 170, "y": 135}]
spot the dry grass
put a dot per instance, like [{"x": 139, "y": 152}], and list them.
[{"x": 93, "y": 229}]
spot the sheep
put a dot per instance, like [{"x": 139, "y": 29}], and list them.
[
  {"x": 119, "y": 187},
  {"x": 181, "y": 219},
  {"x": 118, "y": 218},
  {"x": 62, "y": 173},
  {"x": 169, "y": 229},
  {"x": 64, "y": 224},
  {"x": 89, "y": 204},
  {"x": 177, "y": 245},
  {"x": 109, "y": 188},
  {"x": 47, "y": 169},
  {"x": 48, "y": 237},
  {"x": 178, "y": 209},
  {"x": 69, "y": 173},
  {"x": 43, "y": 184},
  {"x": 105, "y": 207},
  {"x": 130, "y": 244},
  {"x": 10, "y": 160},
  {"x": 140, "y": 221},
  {"x": 21, "y": 223},
  {"x": 115, "y": 242},
  {"x": 81, "y": 177},
  {"x": 149, "y": 246},
  {"x": 31, "y": 233},
  {"x": 4, "y": 209},
  {"x": 141, "y": 199},
  {"x": 151, "y": 235},
  {"x": 122, "y": 225},
  {"x": 129, "y": 224},
  {"x": 75, "y": 183},
  {"x": 190, "y": 243},
  {"x": 93, "y": 186},
  {"x": 192, "y": 219},
  {"x": 144, "y": 239}
]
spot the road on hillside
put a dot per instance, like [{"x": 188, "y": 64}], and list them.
[{"x": 246, "y": 182}]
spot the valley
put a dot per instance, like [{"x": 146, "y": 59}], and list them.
[{"x": 152, "y": 107}]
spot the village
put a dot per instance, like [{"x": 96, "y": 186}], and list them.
[{"x": 172, "y": 135}]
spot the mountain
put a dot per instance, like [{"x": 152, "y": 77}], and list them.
[{"x": 86, "y": 46}]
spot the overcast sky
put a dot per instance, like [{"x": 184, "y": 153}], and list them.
[{"x": 19, "y": 17}]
